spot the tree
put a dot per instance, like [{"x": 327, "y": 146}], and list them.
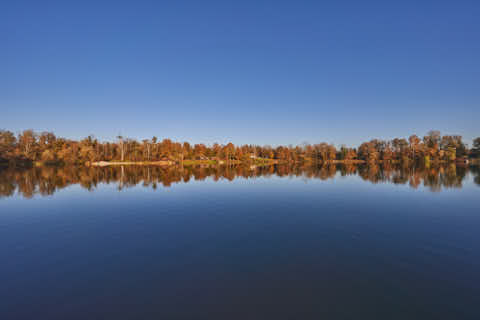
[
  {"x": 7, "y": 144},
  {"x": 48, "y": 155},
  {"x": 146, "y": 149},
  {"x": 368, "y": 152},
  {"x": 432, "y": 143},
  {"x": 414, "y": 141},
  {"x": 122, "y": 147},
  {"x": 475, "y": 151},
  {"x": 27, "y": 141},
  {"x": 229, "y": 151}
]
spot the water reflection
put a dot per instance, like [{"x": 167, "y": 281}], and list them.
[{"x": 46, "y": 180}]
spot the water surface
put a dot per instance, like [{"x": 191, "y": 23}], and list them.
[{"x": 244, "y": 242}]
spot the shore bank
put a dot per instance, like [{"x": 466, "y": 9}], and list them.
[{"x": 184, "y": 162}]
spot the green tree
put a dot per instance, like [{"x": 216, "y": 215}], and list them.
[{"x": 475, "y": 151}]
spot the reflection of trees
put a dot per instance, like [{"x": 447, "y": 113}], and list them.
[
  {"x": 47, "y": 180},
  {"x": 476, "y": 173},
  {"x": 433, "y": 177}
]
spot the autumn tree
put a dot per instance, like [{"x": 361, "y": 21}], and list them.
[
  {"x": 7, "y": 145},
  {"x": 414, "y": 141},
  {"x": 26, "y": 142},
  {"x": 122, "y": 147}
]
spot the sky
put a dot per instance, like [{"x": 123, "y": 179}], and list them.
[{"x": 259, "y": 72}]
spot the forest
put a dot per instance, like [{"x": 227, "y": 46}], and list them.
[{"x": 29, "y": 147}]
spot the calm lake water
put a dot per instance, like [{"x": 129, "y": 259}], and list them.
[{"x": 240, "y": 243}]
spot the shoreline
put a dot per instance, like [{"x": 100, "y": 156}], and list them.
[
  {"x": 261, "y": 162},
  {"x": 258, "y": 162},
  {"x": 214, "y": 162},
  {"x": 184, "y": 163}
]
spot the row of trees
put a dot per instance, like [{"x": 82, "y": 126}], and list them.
[{"x": 47, "y": 147}]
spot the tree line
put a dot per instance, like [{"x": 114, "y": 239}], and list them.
[{"x": 46, "y": 147}]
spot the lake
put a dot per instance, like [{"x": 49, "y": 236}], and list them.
[{"x": 245, "y": 242}]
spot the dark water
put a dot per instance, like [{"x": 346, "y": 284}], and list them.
[{"x": 240, "y": 243}]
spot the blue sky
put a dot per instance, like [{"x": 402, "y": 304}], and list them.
[{"x": 263, "y": 72}]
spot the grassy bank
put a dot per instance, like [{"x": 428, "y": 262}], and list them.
[
  {"x": 258, "y": 161},
  {"x": 126, "y": 163},
  {"x": 475, "y": 161}
]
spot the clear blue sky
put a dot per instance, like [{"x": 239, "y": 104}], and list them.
[{"x": 263, "y": 72}]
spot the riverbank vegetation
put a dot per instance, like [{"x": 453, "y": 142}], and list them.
[{"x": 29, "y": 148}]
